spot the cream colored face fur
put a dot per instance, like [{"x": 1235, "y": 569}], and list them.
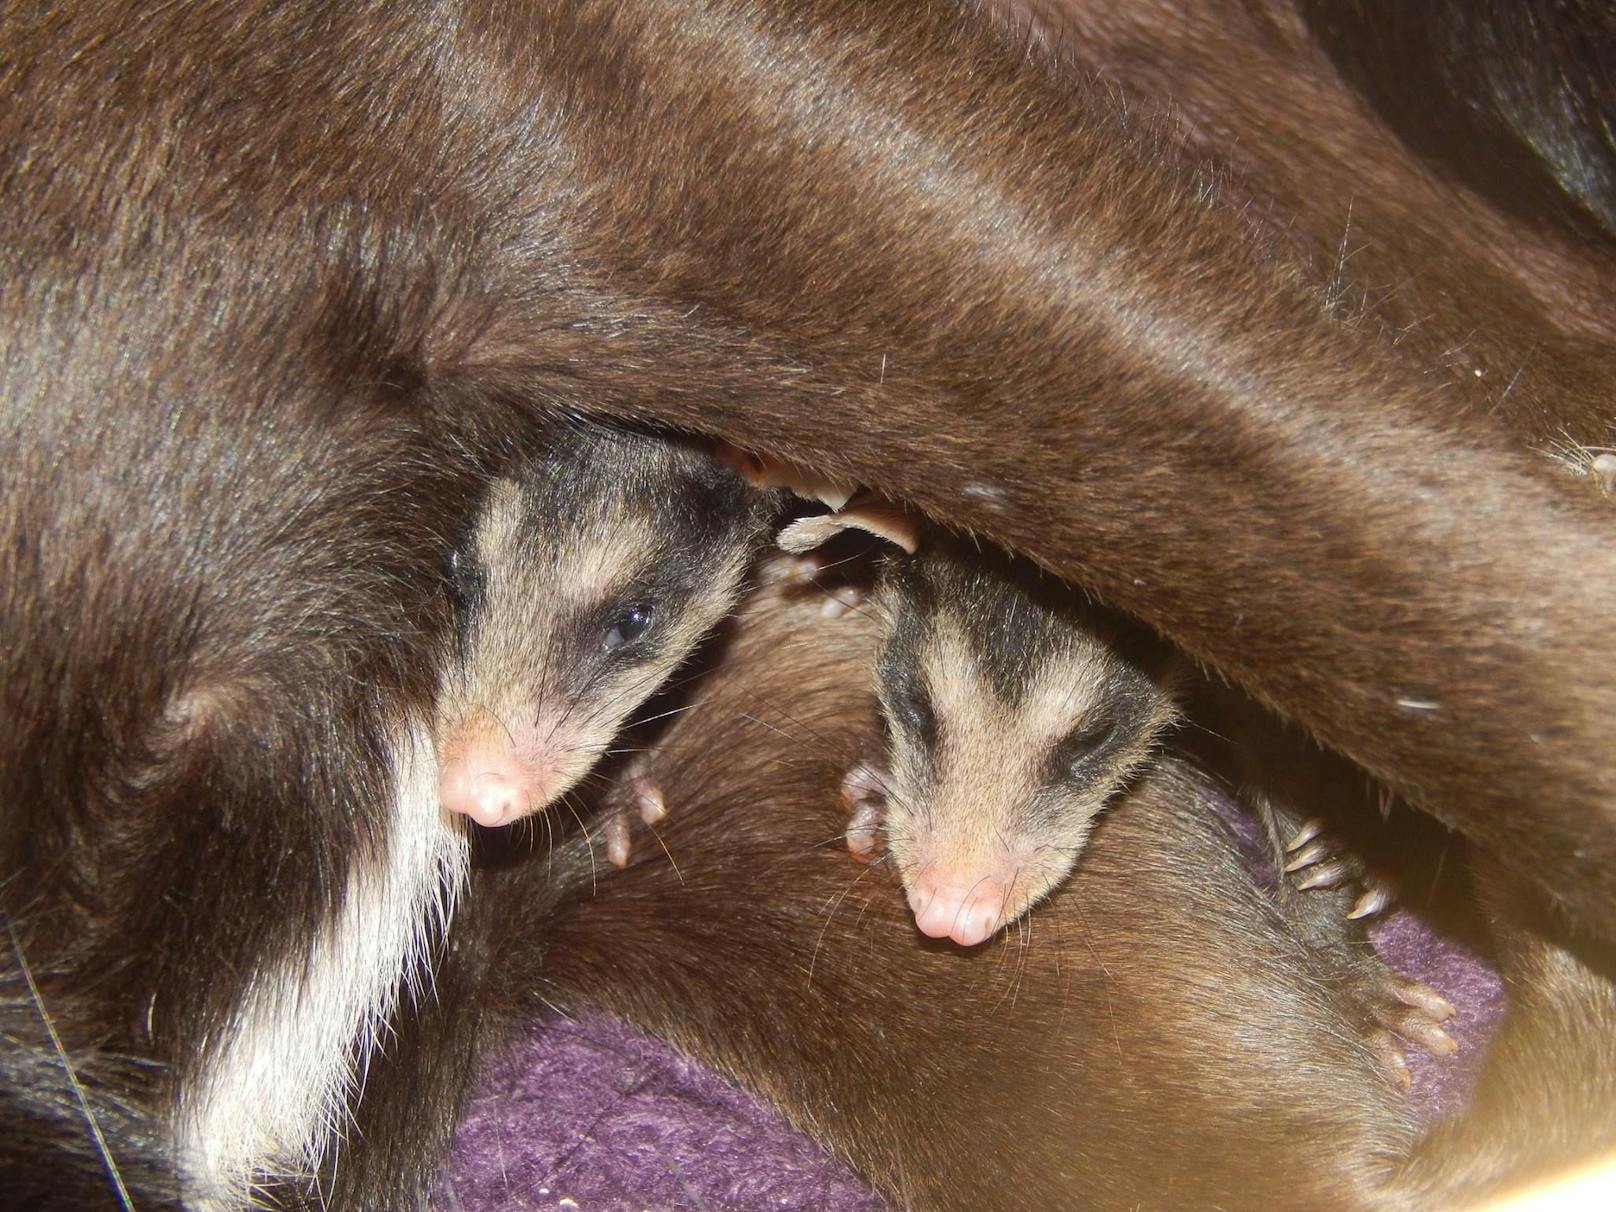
[
  {"x": 551, "y": 666},
  {"x": 1001, "y": 792}
]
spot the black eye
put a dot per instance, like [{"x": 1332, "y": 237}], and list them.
[
  {"x": 1075, "y": 755},
  {"x": 627, "y": 627}
]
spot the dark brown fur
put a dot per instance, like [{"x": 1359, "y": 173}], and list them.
[
  {"x": 1524, "y": 93},
  {"x": 283, "y": 282}
]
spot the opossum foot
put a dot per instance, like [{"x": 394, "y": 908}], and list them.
[
  {"x": 1378, "y": 896},
  {"x": 766, "y": 471},
  {"x": 800, "y": 573},
  {"x": 619, "y": 845},
  {"x": 645, "y": 797},
  {"x": 864, "y": 793},
  {"x": 781, "y": 568},
  {"x": 840, "y": 600},
  {"x": 648, "y": 799},
  {"x": 1404, "y": 1011},
  {"x": 1390, "y": 1054},
  {"x": 1306, "y": 832},
  {"x": 1318, "y": 859}
]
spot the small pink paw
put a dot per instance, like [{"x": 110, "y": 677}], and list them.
[
  {"x": 864, "y": 793},
  {"x": 644, "y": 800}
]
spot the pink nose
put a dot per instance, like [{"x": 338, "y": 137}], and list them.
[
  {"x": 968, "y": 913},
  {"x": 492, "y": 788}
]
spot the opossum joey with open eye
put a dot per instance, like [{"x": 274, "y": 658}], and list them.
[
  {"x": 591, "y": 572},
  {"x": 1014, "y": 714}
]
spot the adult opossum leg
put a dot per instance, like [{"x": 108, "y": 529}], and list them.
[{"x": 1414, "y": 588}]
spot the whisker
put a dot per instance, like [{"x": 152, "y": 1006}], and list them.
[
  {"x": 830, "y": 916},
  {"x": 67, "y": 1067},
  {"x": 662, "y": 715},
  {"x": 589, "y": 838},
  {"x": 671, "y": 860}
]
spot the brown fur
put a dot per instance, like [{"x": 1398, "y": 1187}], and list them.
[
  {"x": 1428, "y": 671},
  {"x": 1157, "y": 997},
  {"x": 285, "y": 282}
]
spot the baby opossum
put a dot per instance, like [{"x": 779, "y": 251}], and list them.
[
  {"x": 1014, "y": 713},
  {"x": 1013, "y": 717},
  {"x": 592, "y": 571}
]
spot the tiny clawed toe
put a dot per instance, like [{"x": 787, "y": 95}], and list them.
[{"x": 1308, "y": 830}]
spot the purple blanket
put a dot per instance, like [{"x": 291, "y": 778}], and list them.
[{"x": 594, "y": 1115}]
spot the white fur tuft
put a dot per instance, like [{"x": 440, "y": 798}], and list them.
[{"x": 274, "y": 1095}]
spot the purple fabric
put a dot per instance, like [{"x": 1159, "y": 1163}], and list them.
[{"x": 592, "y": 1114}]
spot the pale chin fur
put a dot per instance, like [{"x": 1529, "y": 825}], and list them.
[{"x": 279, "y": 1089}]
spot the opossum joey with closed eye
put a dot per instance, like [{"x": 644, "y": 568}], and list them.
[
  {"x": 591, "y": 572},
  {"x": 1014, "y": 714}
]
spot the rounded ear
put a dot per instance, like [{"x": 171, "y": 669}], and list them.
[
  {"x": 874, "y": 514},
  {"x": 761, "y": 471}
]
